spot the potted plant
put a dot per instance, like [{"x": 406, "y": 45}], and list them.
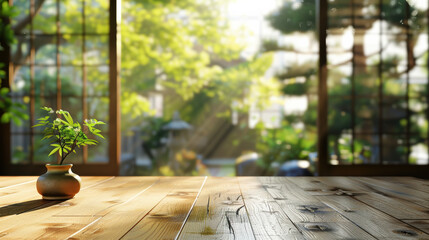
[{"x": 59, "y": 182}]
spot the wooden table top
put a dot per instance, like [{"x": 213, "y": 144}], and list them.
[{"x": 220, "y": 208}]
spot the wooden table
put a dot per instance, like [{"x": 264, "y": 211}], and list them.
[{"x": 220, "y": 208}]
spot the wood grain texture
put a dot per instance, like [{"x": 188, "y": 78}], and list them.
[
  {"x": 314, "y": 219},
  {"x": 409, "y": 182},
  {"x": 219, "y": 208},
  {"x": 88, "y": 207},
  {"x": 375, "y": 222},
  {"x": 299, "y": 205},
  {"x": 107, "y": 195},
  {"x": 396, "y": 191},
  {"x": 332, "y": 230},
  {"x": 34, "y": 216},
  {"x": 219, "y": 213},
  {"x": 420, "y": 224},
  {"x": 266, "y": 216},
  {"x": 349, "y": 187},
  {"x": 342, "y": 194},
  {"x": 165, "y": 220},
  {"x": 118, "y": 220},
  {"x": 19, "y": 199},
  {"x": 7, "y": 182}
]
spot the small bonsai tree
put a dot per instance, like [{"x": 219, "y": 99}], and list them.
[{"x": 67, "y": 134}]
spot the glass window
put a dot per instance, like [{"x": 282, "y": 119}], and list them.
[
  {"x": 56, "y": 43},
  {"x": 384, "y": 46}
]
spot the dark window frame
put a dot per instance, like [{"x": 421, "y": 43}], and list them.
[
  {"x": 85, "y": 168},
  {"x": 382, "y": 168}
]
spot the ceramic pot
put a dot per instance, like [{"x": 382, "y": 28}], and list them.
[{"x": 58, "y": 183}]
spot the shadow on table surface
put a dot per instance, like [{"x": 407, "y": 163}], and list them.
[{"x": 26, "y": 206}]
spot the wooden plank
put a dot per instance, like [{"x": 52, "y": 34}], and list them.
[
  {"x": 166, "y": 219},
  {"x": 118, "y": 220},
  {"x": 105, "y": 196},
  {"x": 332, "y": 230},
  {"x": 422, "y": 225},
  {"x": 314, "y": 219},
  {"x": 53, "y": 228},
  {"x": 394, "y": 190},
  {"x": 86, "y": 206},
  {"x": 28, "y": 191},
  {"x": 409, "y": 182},
  {"x": 219, "y": 213},
  {"x": 23, "y": 198},
  {"x": 299, "y": 205},
  {"x": 396, "y": 207},
  {"x": 7, "y": 182},
  {"x": 266, "y": 216},
  {"x": 373, "y": 221}
]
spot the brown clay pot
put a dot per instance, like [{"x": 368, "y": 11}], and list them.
[{"x": 58, "y": 183}]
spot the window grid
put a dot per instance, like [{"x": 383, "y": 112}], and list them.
[
  {"x": 58, "y": 97},
  {"x": 384, "y": 99}
]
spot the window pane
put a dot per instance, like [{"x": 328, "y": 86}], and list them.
[
  {"x": 45, "y": 20},
  {"x": 45, "y": 81},
  {"x": 25, "y": 124},
  {"x": 366, "y": 81},
  {"x": 47, "y": 52},
  {"x": 339, "y": 14},
  {"x": 367, "y": 149},
  {"x": 339, "y": 80},
  {"x": 367, "y": 115},
  {"x": 20, "y": 147},
  {"x": 71, "y": 50},
  {"x": 394, "y": 149},
  {"x": 97, "y": 81},
  {"x": 421, "y": 48},
  {"x": 98, "y": 108},
  {"x": 71, "y": 16},
  {"x": 394, "y": 115},
  {"x": 419, "y": 150},
  {"x": 23, "y": 10},
  {"x": 340, "y": 149},
  {"x": 42, "y": 149},
  {"x": 100, "y": 152},
  {"x": 97, "y": 50},
  {"x": 40, "y": 102},
  {"x": 418, "y": 118},
  {"x": 20, "y": 51},
  {"x": 71, "y": 81},
  {"x": 97, "y": 16},
  {"x": 339, "y": 115},
  {"x": 21, "y": 80},
  {"x": 74, "y": 106}
]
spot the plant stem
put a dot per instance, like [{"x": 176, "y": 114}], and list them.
[
  {"x": 72, "y": 148},
  {"x": 60, "y": 140}
]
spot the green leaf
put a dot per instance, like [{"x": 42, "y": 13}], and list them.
[
  {"x": 68, "y": 118},
  {"x": 47, "y": 136},
  {"x": 16, "y": 120},
  {"x": 53, "y": 151},
  {"x": 64, "y": 122},
  {"x": 5, "y": 118},
  {"x": 99, "y": 135},
  {"x": 43, "y": 118}
]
